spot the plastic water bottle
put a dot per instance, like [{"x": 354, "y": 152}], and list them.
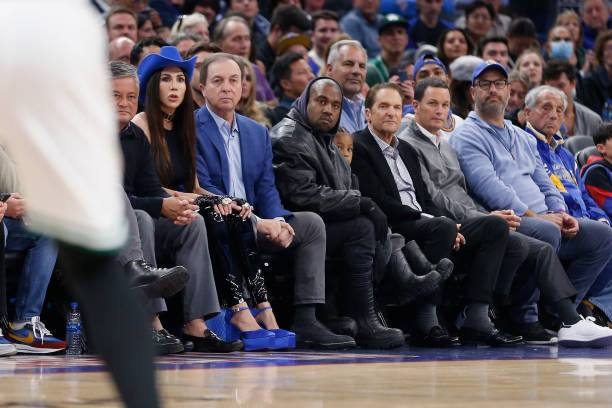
[
  {"x": 73, "y": 331},
  {"x": 606, "y": 114}
]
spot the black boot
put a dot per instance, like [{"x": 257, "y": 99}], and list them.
[
  {"x": 371, "y": 333},
  {"x": 405, "y": 284},
  {"x": 421, "y": 266},
  {"x": 155, "y": 282}
]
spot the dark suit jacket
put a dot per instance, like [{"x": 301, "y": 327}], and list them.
[
  {"x": 376, "y": 180},
  {"x": 256, "y": 155}
]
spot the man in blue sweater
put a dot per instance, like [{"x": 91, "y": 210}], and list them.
[
  {"x": 503, "y": 170},
  {"x": 544, "y": 109}
]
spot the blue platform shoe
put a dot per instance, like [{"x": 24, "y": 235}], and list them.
[
  {"x": 253, "y": 340},
  {"x": 283, "y": 339}
]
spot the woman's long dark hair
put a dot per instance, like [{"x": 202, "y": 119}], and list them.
[{"x": 184, "y": 125}]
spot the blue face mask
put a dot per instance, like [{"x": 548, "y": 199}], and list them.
[{"x": 561, "y": 49}]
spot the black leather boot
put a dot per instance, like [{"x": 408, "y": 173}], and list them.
[
  {"x": 405, "y": 284},
  {"x": 421, "y": 265},
  {"x": 155, "y": 282},
  {"x": 371, "y": 333}
]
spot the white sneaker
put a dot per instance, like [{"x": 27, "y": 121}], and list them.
[
  {"x": 585, "y": 333},
  {"x": 6, "y": 348}
]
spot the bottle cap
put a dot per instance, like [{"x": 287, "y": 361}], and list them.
[{"x": 74, "y": 305}]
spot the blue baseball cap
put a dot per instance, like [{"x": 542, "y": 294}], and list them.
[
  {"x": 427, "y": 59},
  {"x": 488, "y": 64}
]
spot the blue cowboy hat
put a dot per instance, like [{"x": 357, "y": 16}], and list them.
[{"x": 167, "y": 57}]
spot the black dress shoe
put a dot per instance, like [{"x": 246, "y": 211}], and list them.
[
  {"x": 212, "y": 343},
  {"x": 316, "y": 336},
  {"x": 344, "y": 325},
  {"x": 166, "y": 343},
  {"x": 155, "y": 282},
  {"x": 495, "y": 338},
  {"x": 437, "y": 337}
]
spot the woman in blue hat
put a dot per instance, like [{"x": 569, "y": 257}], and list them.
[{"x": 168, "y": 122}]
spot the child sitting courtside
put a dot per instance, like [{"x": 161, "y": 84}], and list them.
[{"x": 344, "y": 141}]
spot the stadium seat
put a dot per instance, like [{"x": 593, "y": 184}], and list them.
[
  {"x": 583, "y": 155},
  {"x": 578, "y": 142}
]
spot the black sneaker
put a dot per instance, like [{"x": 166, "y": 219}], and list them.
[
  {"x": 212, "y": 343},
  {"x": 534, "y": 333},
  {"x": 166, "y": 343}
]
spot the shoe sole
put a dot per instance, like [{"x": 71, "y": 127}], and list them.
[
  {"x": 166, "y": 285},
  {"x": 595, "y": 343},
  {"x": 23, "y": 348},
  {"x": 552, "y": 342},
  {"x": 390, "y": 344},
  {"x": 170, "y": 349},
  {"x": 326, "y": 346},
  {"x": 7, "y": 351}
]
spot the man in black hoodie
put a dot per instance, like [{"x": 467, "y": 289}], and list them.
[{"x": 312, "y": 175}]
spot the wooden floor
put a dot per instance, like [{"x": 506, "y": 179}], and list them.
[{"x": 463, "y": 377}]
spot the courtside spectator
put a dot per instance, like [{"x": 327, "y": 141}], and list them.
[
  {"x": 598, "y": 175},
  {"x": 346, "y": 64},
  {"x": 250, "y": 177},
  {"x": 311, "y": 174}
]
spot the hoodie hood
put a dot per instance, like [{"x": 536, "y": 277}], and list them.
[{"x": 301, "y": 103}]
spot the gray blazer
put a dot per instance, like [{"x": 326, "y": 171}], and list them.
[{"x": 442, "y": 175}]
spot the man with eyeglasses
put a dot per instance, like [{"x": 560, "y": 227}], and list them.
[{"x": 503, "y": 169}]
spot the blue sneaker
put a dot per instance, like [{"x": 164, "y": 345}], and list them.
[
  {"x": 34, "y": 338},
  {"x": 6, "y": 347}
]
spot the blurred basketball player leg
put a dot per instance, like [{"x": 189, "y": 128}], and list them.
[{"x": 58, "y": 125}]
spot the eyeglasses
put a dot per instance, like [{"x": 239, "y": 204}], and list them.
[{"x": 486, "y": 85}]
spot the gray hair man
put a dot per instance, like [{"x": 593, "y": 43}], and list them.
[{"x": 346, "y": 63}]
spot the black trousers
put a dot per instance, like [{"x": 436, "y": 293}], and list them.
[{"x": 482, "y": 255}]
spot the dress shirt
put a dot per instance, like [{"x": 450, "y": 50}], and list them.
[
  {"x": 402, "y": 178},
  {"x": 231, "y": 142},
  {"x": 353, "y": 114},
  {"x": 434, "y": 138}
]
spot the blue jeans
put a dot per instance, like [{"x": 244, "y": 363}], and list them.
[
  {"x": 37, "y": 268},
  {"x": 589, "y": 255}
]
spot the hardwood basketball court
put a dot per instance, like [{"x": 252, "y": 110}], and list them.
[{"x": 525, "y": 376}]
